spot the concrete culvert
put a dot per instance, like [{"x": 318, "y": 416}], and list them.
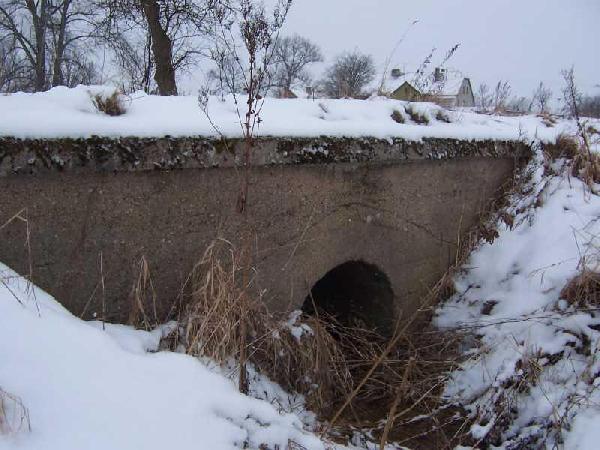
[{"x": 356, "y": 294}]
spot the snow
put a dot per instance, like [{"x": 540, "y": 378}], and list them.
[
  {"x": 64, "y": 112},
  {"x": 86, "y": 388},
  {"x": 520, "y": 276}
]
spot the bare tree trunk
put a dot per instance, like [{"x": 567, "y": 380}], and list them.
[
  {"x": 57, "y": 73},
  {"x": 162, "y": 48},
  {"x": 40, "y": 25}
]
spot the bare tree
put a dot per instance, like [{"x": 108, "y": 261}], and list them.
[
  {"x": 501, "y": 95},
  {"x": 258, "y": 34},
  {"x": 27, "y": 21},
  {"x": 348, "y": 75},
  {"x": 541, "y": 98},
  {"x": 483, "y": 98},
  {"x": 173, "y": 28},
  {"x": 70, "y": 24},
  {"x": 47, "y": 35},
  {"x": 228, "y": 76},
  {"x": 78, "y": 68},
  {"x": 571, "y": 98},
  {"x": 519, "y": 105},
  {"x": 15, "y": 73},
  {"x": 291, "y": 56},
  {"x": 590, "y": 106}
]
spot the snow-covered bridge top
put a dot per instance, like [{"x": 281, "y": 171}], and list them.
[{"x": 63, "y": 112}]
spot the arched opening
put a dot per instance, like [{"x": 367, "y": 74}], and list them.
[{"x": 355, "y": 294}]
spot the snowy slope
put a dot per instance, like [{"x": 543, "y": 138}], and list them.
[
  {"x": 90, "y": 389},
  {"x": 534, "y": 376},
  {"x": 63, "y": 112}
]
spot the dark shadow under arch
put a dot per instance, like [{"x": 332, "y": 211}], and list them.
[{"x": 354, "y": 293}]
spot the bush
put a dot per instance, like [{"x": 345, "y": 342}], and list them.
[
  {"x": 442, "y": 116},
  {"x": 112, "y": 105},
  {"x": 397, "y": 116},
  {"x": 417, "y": 116}
]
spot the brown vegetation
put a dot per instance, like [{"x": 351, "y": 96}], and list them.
[
  {"x": 416, "y": 116},
  {"x": 583, "y": 291},
  {"x": 397, "y": 116},
  {"x": 112, "y": 105}
]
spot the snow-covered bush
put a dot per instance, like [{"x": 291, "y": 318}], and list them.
[
  {"x": 417, "y": 115},
  {"x": 398, "y": 117}
]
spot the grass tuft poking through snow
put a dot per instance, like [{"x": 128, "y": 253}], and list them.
[
  {"x": 531, "y": 299},
  {"x": 110, "y": 104}
]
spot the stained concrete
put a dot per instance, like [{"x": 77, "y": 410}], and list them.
[{"x": 402, "y": 208}]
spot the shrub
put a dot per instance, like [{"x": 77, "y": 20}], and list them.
[
  {"x": 416, "y": 116},
  {"x": 397, "y": 116},
  {"x": 112, "y": 105},
  {"x": 442, "y": 116}
]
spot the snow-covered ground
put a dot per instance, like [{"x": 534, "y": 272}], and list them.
[
  {"x": 533, "y": 377},
  {"x": 88, "y": 388},
  {"x": 64, "y": 112}
]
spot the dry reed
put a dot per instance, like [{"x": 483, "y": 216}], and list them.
[{"x": 309, "y": 364}]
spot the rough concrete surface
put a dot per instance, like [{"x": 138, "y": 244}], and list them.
[{"x": 401, "y": 213}]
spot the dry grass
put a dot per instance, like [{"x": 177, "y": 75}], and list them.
[
  {"x": 548, "y": 120},
  {"x": 586, "y": 166},
  {"x": 143, "y": 298},
  {"x": 310, "y": 365},
  {"x": 584, "y": 163},
  {"x": 14, "y": 416},
  {"x": 328, "y": 360},
  {"x": 112, "y": 105},
  {"x": 566, "y": 146},
  {"x": 394, "y": 390},
  {"x": 583, "y": 291}
]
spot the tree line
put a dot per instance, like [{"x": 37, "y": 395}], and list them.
[
  {"x": 147, "y": 44},
  {"x": 499, "y": 99}
]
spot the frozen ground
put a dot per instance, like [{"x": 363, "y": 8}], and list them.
[
  {"x": 86, "y": 388},
  {"x": 63, "y": 112},
  {"x": 534, "y": 376}
]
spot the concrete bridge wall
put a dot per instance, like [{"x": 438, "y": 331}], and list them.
[{"x": 314, "y": 204}]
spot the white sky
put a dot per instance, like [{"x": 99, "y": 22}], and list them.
[{"x": 523, "y": 41}]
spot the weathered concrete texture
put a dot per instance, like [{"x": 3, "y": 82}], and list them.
[
  {"x": 36, "y": 156},
  {"x": 403, "y": 214}
]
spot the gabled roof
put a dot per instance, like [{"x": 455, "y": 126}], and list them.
[
  {"x": 450, "y": 87},
  {"x": 409, "y": 84}
]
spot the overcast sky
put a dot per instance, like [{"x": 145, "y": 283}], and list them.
[{"x": 523, "y": 41}]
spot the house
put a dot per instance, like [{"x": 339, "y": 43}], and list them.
[
  {"x": 406, "y": 91},
  {"x": 446, "y": 88}
]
